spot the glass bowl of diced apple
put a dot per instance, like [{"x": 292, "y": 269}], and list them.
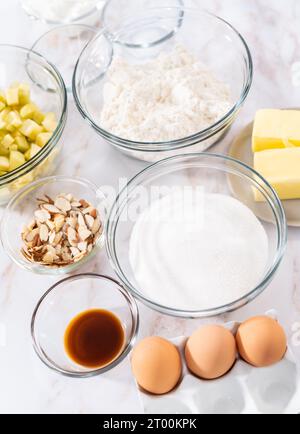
[{"x": 33, "y": 112}]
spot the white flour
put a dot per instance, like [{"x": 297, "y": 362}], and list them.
[
  {"x": 214, "y": 255},
  {"x": 171, "y": 97}
]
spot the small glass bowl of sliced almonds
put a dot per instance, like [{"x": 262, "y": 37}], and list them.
[{"x": 54, "y": 225}]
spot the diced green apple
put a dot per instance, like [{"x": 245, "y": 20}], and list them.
[
  {"x": 24, "y": 129},
  {"x": 4, "y": 164},
  {"x": 7, "y": 140},
  {"x": 24, "y": 94},
  {"x": 12, "y": 96},
  {"x": 43, "y": 138},
  {"x": 34, "y": 149},
  {"x": 13, "y": 119},
  {"x": 22, "y": 144},
  {"x": 31, "y": 129},
  {"x": 16, "y": 159},
  {"x": 50, "y": 123}
]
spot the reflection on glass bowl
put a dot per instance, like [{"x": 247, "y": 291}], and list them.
[{"x": 57, "y": 12}]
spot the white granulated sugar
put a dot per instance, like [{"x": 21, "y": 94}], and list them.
[
  {"x": 214, "y": 255},
  {"x": 168, "y": 98}
]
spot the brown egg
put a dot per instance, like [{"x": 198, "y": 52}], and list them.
[
  {"x": 156, "y": 365},
  {"x": 261, "y": 341},
  {"x": 210, "y": 352}
]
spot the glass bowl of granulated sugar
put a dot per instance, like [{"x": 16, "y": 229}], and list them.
[
  {"x": 187, "y": 243},
  {"x": 168, "y": 81}
]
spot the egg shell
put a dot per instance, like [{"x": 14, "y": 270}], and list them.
[
  {"x": 261, "y": 341},
  {"x": 156, "y": 365},
  {"x": 210, "y": 352}
]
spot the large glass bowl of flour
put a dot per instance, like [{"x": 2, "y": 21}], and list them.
[
  {"x": 169, "y": 80},
  {"x": 185, "y": 243}
]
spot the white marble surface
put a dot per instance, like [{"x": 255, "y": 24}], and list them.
[{"x": 272, "y": 31}]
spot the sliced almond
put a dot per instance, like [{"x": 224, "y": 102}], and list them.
[
  {"x": 45, "y": 199},
  {"x": 25, "y": 253},
  {"x": 76, "y": 205},
  {"x": 58, "y": 238},
  {"x": 81, "y": 220},
  {"x": 96, "y": 226},
  {"x": 38, "y": 249},
  {"x": 89, "y": 221},
  {"x": 49, "y": 199},
  {"x": 59, "y": 222},
  {"x": 83, "y": 246},
  {"x": 44, "y": 233},
  {"x": 79, "y": 257},
  {"x": 30, "y": 236},
  {"x": 67, "y": 257},
  {"x": 68, "y": 196},
  {"x": 71, "y": 221},
  {"x": 49, "y": 258},
  {"x": 88, "y": 210},
  {"x": 52, "y": 236},
  {"x": 42, "y": 215},
  {"x": 84, "y": 203},
  {"x": 72, "y": 235},
  {"x": 51, "y": 249},
  {"x": 50, "y": 225},
  {"x": 51, "y": 209},
  {"x": 62, "y": 204},
  {"x": 74, "y": 251},
  {"x": 36, "y": 240},
  {"x": 31, "y": 225},
  {"x": 24, "y": 234},
  {"x": 84, "y": 233},
  {"x": 94, "y": 213}
]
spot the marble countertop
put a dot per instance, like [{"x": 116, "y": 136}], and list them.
[{"x": 272, "y": 31}]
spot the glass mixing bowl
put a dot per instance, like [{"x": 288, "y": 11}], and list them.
[
  {"x": 213, "y": 174},
  {"x": 20, "y": 212},
  {"x": 49, "y": 93},
  {"x": 142, "y": 38},
  {"x": 63, "y": 302},
  {"x": 116, "y": 12},
  {"x": 53, "y": 43},
  {"x": 55, "y": 12}
]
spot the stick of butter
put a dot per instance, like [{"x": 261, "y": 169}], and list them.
[
  {"x": 276, "y": 129},
  {"x": 281, "y": 168}
]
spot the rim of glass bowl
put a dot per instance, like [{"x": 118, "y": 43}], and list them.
[
  {"x": 114, "y": 35},
  {"x": 140, "y": 178},
  {"x": 184, "y": 142},
  {"x": 132, "y": 305},
  {"x": 36, "y": 16},
  {"x": 62, "y": 28},
  {"x": 36, "y": 268},
  {"x": 46, "y": 150}
]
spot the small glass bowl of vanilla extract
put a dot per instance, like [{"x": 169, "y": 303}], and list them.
[{"x": 84, "y": 325}]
